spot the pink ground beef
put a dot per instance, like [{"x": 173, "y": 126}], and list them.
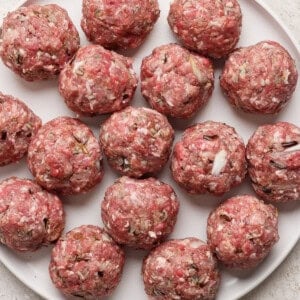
[
  {"x": 210, "y": 157},
  {"x": 97, "y": 81},
  {"x": 242, "y": 231},
  {"x": 18, "y": 125},
  {"x": 273, "y": 154},
  {"x": 30, "y": 217},
  {"x": 65, "y": 157},
  {"x": 259, "y": 78},
  {"x": 139, "y": 213},
  {"x": 136, "y": 141},
  {"x": 86, "y": 263},
  {"x": 120, "y": 24},
  {"x": 181, "y": 269},
  {"x": 175, "y": 81},
  {"x": 37, "y": 41},
  {"x": 210, "y": 27}
]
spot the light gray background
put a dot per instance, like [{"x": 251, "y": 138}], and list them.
[{"x": 284, "y": 283}]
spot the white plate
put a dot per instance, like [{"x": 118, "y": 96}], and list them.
[{"x": 44, "y": 99}]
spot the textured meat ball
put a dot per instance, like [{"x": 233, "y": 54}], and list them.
[
  {"x": 18, "y": 125},
  {"x": 37, "y": 41},
  {"x": 86, "y": 263},
  {"x": 139, "y": 213},
  {"x": 175, "y": 81},
  {"x": 181, "y": 269},
  {"x": 210, "y": 157},
  {"x": 137, "y": 141},
  {"x": 119, "y": 24},
  {"x": 260, "y": 78},
  {"x": 273, "y": 154},
  {"x": 30, "y": 217},
  {"x": 210, "y": 27},
  {"x": 65, "y": 157},
  {"x": 242, "y": 231},
  {"x": 97, "y": 81}
]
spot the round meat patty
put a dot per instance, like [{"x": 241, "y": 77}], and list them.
[
  {"x": 30, "y": 217},
  {"x": 120, "y": 24},
  {"x": 139, "y": 213},
  {"x": 97, "y": 81},
  {"x": 137, "y": 141},
  {"x": 260, "y": 78},
  {"x": 37, "y": 41},
  {"x": 175, "y": 81},
  {"x": 65, "y": 157},
  {"x": 210, "y": 27},
  {"x": 273, "y": 154},
  {"x": 210, "y": 157},
  {"x": 242, "y": 231},
  {"x": 86, "y": 263},
  {"x": 181, "y": 269},
  {"x": 18, "y": 125}
]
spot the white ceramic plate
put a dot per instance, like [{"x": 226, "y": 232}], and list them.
[{"x": 44, "y": 99}]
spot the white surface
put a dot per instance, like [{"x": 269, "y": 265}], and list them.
[{"x": 43, "y": 98}]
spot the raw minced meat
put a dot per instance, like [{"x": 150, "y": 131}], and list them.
[
  {"x": 273, "y": 154},
  {"x": 181, "y": 269},
  {"x": 210, "y": 27},
  {"x": 242, "y": 231},
  {"x": 97, "y": 81},
  {"x": 210, "y": 157},
  {"x": 139, "y": 213},
  {"x": 119, "y": 24},
  {"x": 86, "y": 263},
  {"x": 18, "y": 125},
  {"x": 259, "y": 78},
  {"x": 30, "y": 217},
  {"x": 65, "y": 157},
  {"x": 136, "y": 141},
  {"x": 175, "y": 81},
  {"x": 38, "y": 40}
]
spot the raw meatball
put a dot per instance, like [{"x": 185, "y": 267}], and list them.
[
  {"x": 118, "y": 24},
  {"x": 210, "y": 157},
  {"x": 210, "y": 27},
  {"x": 273, "y": 154},
  {"x": 65, "y": 157},
  {"x": 137, "y": 141},
  {"x": 97, "y": 81},
  {"x": 37, "y": 41},
  {"x": 175, "y": 81},
  {"x": 30, "y": 217},
  {"x": 242, "y": 231},
  {"x": 139, "y": 213},
  {"x": 86, "y": 263},
  {"x": 181, "y": 269},
  {"x": 18, "y": 124},
  {"x": 260, "y": 78}
]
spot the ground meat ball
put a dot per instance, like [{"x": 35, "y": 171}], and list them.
[
  {"x": 210, "y": 157},
  {"x": 86, "y": 263},
  {"x": 139, "y": 213},
  {"x": 181, "y": 269},
  {"x": 210, "y": 27},
  {"x": 65, "y": 157},
  {"x": 242, "y": 231},
  {"x": 97, "y": 81},
  {"x": 30, "y": 217},
  {"x": 137, "y": 141},
  {"x": 273, "y": 154},
  {"x": 18, "y": 124},
  {"x": 175, "y": 81},
  {"x": 119, "y": 24},
  {"x": 259, "y": 78},
  {"x": 37, "y": 41}
]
